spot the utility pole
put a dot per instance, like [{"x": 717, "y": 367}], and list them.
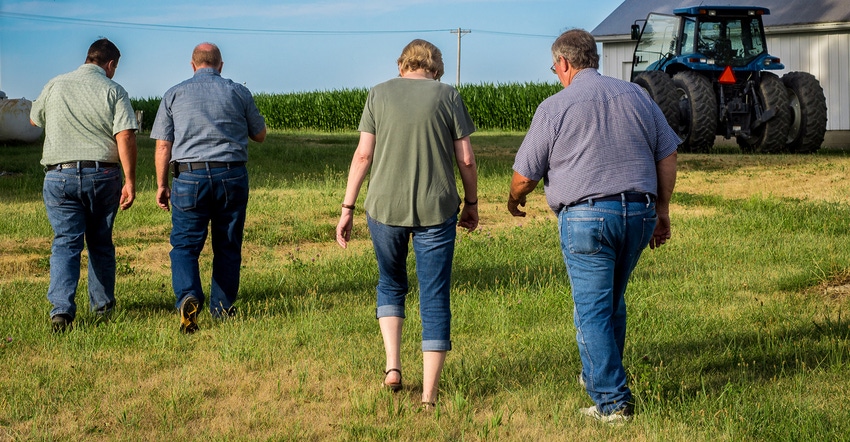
[{"x": 459, "y": 33}]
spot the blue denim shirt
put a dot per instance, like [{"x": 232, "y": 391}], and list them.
[{"x": 209, "y": 118}]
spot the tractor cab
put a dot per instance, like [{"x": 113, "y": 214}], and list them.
[{"x": 703, "y": 39}]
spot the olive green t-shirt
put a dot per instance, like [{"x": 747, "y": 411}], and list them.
[{"x": 415, "y": 123}]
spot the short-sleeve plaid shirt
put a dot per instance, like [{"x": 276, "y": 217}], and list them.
[
  {"x": 81, "y": 112},
  {"x": 599, "y": 136}
]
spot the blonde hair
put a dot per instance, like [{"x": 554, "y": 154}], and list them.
[{"x": 420, "y": 54}]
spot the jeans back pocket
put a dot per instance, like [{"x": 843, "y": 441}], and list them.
[
  {"x": 584, "y": 235},
  {"x": 184, "y": 194}
]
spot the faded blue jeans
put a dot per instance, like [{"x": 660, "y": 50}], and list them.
[
  {"x": 602, "y": 243},
  {"x": 434, "y": 248},
  {"x": 81, "y": 206},
  {"x": 217, "y": 199}
]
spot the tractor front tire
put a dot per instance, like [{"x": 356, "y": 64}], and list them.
[
  {"x": 808, "y": 112},
  {"x": 660, "y": 87},
  {"x": 698, "y": 111}
]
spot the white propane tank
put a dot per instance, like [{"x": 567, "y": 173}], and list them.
[{"x": 15, "y": 120}]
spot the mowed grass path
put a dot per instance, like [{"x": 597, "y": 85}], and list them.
[{"x": 738, "y": 327}]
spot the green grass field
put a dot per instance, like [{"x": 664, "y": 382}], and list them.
[{"x": 738, "y": 327}]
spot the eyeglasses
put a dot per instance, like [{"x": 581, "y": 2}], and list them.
[{"x": 553, "y": 69}]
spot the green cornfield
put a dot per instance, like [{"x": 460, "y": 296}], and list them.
[{"x": 507, "y": 107}]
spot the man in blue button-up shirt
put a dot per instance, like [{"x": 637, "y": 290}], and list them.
[{"x": 202, "y": 129}]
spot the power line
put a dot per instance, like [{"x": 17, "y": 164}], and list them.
[
  {"x": 120, "y": 24},
  {"x": 514, "y": 34},
  {"x": 184, "y": 28}
]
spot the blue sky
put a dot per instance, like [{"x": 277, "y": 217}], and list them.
[{"x": 284, "y": 46}]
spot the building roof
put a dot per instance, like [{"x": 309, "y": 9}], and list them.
[{"x": 782, "y": 12}]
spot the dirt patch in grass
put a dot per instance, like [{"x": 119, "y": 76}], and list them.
[
  {"x": 813, "y": 178},
  {"x": 836, "y": 288},
  {"x": 24, "y": 259}
]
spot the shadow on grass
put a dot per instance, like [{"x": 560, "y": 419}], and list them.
[{"x": 690, "y": 367}]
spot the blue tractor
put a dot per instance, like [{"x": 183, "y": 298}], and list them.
[{"x": 708, "y": 69}]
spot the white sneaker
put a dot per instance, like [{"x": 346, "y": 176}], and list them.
[{"x": 620, "y": 416}]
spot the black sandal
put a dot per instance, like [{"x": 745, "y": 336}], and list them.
[{"x": 394, "y": 386}]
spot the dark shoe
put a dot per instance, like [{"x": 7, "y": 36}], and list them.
[
  {"x": 189, "y": 315},
  {"x": 394, "y": 386},
  {"x": 103, "y": 314},
  {"x": 61, "y": 322}
]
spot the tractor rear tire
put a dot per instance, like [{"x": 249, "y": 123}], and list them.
[
  {"x": 698, "y": 111},
  {"x": 808, "y": 112},
  {"x": 660, "y": 87},
  {"x": 772, "y": 135}
]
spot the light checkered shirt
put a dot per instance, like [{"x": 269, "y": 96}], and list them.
[{"x": 81, "y": 112}]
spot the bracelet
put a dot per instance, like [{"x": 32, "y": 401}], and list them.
[
  {"x": 468, "y": 203},
  {"x": 348, "y": 206}
]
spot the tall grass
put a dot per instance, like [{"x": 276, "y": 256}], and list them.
[
  {"x": 738, "y": 327},
  {"x": 507, "y": 107}
]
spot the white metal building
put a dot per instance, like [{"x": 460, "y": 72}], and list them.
[{"x": 807, "y": 35}]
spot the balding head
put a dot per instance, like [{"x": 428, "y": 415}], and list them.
[{"x": 206, "y": 55}]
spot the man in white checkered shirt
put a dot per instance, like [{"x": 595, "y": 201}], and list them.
[{"x": 89, "y": 128}]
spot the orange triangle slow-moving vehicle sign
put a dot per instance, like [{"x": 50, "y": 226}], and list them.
[{"x": 728, "y": 77}]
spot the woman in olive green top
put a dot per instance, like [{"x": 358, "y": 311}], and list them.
[{"x": 412, "y": 131}]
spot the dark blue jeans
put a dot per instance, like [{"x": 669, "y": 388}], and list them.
[
  {"x": 602, "y": 243},
  {"x": 434, "y": 248},
  {"x": 81, "y": 206},
  {"x": 216, "y": 199}
]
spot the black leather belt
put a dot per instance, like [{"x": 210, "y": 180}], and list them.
[
  {"x": 631, "y": 197},
  {"x": 185, "y": 167},
  {"x": 82, "y": 165}
]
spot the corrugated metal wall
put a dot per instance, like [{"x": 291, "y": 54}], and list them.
[{"x": 827, "y": 57}]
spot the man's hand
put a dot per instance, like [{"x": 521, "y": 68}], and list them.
[
  {"x": 662, "y": 231},
  {"x": 128, "y": 195},
  {"x": 163, "y": 195},
  {"x": 514, "y": 204},
  {"x": 520, "y": 187}
]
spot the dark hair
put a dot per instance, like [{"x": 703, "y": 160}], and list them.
[
  {"x": 578, "y": 47},
  {"x": 103, "y": 51}
]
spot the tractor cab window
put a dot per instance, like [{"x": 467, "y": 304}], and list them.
[
  {"x": 688, "y": 36},
  {"x": 657, "y": 43},
  {"x": 730, "y": 42}
]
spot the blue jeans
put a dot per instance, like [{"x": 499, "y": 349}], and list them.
[
  {"x": 601, "y": 244},
  {"x": 216, "y": 198},
  {"x": 434, "y": 248},
  {"x": 81, "y": 206}
]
